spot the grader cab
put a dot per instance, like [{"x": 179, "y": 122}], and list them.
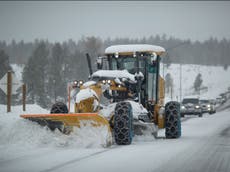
[{"x": 128, "y": 78}]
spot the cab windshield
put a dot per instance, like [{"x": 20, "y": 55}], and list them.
[
  {"x": 193, "y": 101},
  {"x": 204, "y": 101},
  {"x": 128, "y": 63}
]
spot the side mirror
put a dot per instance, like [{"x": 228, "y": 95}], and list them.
[
  {"x": 99, "y": 63},
  {"x": 153, "y": 57}
]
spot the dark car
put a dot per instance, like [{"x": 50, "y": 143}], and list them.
[{"x": 191, "y": 106}]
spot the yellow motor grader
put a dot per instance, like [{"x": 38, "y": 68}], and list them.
[{"x": 125, "y": 94}]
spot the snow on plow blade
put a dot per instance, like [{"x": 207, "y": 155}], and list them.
[{"x": 66, "y": 122}]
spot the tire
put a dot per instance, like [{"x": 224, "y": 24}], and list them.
[
  {"x": 200, "y": 115},
  {"x": 59, "y": 107},
  {"x": 172, "y": 120},
  {"x": 123, "y": 123},
  {"x": 182, "y": 115}
]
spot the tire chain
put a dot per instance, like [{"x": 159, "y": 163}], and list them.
[
  {"x": 121, "y": 130},
  {"x": 172, "y": 120}
]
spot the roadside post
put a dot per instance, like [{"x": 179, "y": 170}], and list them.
[
  {"x": 24, "y": 97},
  {"x": 9, "y": 85}
]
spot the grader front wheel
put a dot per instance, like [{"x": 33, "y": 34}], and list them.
[
  {"x": 123, "y": 123},
  {"x": 172, "y": 120}
]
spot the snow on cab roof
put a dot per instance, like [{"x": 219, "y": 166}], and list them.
[
  {"x": 130, "y": 48},
  {"x": 114, "y": 74}
]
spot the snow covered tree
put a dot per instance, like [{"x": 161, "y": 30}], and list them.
[
  {"x": 57, "y": 84},
  {"x": 198, "y": 82},
  {"x": 4, "y": 65}
]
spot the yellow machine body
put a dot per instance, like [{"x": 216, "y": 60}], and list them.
[{"x": 85, "y": 111}]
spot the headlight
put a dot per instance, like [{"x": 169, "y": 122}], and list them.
[
  {"x": 119, "y": 86},
  {"x": 104, "y": 81},
  {"x": 197, "y": 106},
  {"x": 208, "y": 106},
  {"x": 182, "y": 107},
  {"x": 81, "y": 82},
  {"x": 109, "y": 82},
  {"x": 75, "y": 82}
]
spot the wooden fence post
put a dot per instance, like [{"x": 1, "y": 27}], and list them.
[
  {"x": 24, "y": 97},
  {"x": 9, "y": 90}
]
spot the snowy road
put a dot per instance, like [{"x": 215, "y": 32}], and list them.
[{"x": 204, "y": 146}]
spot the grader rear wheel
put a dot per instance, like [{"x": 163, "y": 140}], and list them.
[
  {"x": 123, "y": 123},
  {"x": 172, "y": 120}
]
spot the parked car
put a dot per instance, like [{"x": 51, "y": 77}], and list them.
[
  {"x": 207, "y": 106},
  {"x": 191, "y": 106}
]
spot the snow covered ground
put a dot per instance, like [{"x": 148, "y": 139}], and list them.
[{"x": 26, "y": 146}]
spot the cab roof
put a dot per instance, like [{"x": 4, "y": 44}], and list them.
[{"x": 129, "y": 49}]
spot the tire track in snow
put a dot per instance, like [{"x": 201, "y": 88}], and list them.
[
  {"x": 90, "y": 155},
  {"x": 77, "y": 160},
  {"x": 26, "y": 156}
]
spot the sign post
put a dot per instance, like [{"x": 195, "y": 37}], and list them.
[{"x": 9, "y": 85}]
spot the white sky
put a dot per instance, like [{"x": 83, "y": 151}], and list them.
[{"x": 59, "y": 21}]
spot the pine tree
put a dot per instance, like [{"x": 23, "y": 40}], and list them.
[
  {"x": 34, "y": 74},
  {"x": 198, "y": 82},
  {"x": 4, "y": 65},
  {"x": 57, "y": 84}
]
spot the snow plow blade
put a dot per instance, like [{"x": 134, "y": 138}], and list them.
[{"x": 66, "y": 122}]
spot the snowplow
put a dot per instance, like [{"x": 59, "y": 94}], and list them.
[{"x": 125, "y": 95}]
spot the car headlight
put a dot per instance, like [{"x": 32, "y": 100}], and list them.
[
  {"x": 182, "y": 107},
  {"x": 197, "y": 107},
  {"x": 208, "y": 106}
]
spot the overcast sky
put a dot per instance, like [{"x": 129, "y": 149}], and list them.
[{"x": 60, "y": 21}]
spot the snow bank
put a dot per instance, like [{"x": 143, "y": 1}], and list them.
[{"x": 20, "y": 135}]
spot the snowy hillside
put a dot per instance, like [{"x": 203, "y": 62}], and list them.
[{"x": 215, "y": 78}]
